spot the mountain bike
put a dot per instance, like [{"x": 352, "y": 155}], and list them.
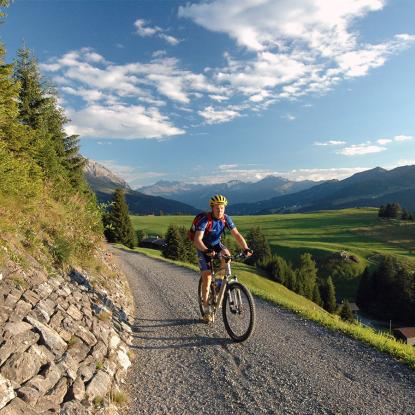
[{"x": 238, "y": 307}]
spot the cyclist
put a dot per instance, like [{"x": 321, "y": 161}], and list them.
[{"x": 208, "y": 243}]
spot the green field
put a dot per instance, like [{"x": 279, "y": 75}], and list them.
[{"x": 358, "y": 231}]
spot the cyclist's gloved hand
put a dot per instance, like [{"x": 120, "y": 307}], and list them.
[
  {"x": 248, "y": 252},
  {"x": 209, "y": 252}
]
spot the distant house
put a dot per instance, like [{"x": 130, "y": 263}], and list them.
[
  {"x": 153, "y": 242},
  {"x": 407, "y": 334},
  {"x": 355, "y": 308}
]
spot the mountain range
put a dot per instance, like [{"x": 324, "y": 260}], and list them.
[
  {"x": 373, "y": 187},
  {"x": 103, "y": 182},
  {"x": 236, "y": 191}
]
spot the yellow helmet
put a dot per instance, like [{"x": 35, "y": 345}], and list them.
[{"x": 218, "y": 200}]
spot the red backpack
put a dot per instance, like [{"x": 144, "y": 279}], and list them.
[{"x": 196, "y": 221}]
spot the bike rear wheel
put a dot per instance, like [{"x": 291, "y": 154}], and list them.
[{"x": 238, "y": 312}]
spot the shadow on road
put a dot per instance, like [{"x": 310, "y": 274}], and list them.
[{"x": 147, "y": 330}]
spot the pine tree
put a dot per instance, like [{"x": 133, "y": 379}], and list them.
[
  {"x": 395, "y": 210},
  {"x": 317, "y": 295},
  {"x": 278, "y": 269},
  {"x": 257, "y": 241},
  {"x": 19, "y": 174},
  {"x": 140, "y": 235},
  {"x": 381, "y": 212},
  {"x": 291, "y": 279},
  {"x": 174, "y": 244},
  {"x": 54, "y": 151},
  {"x": 329, "y": 296},
  {"x": 11, "y": 132},
  {"x": 392, "y": 210},
  {"x": 118, "y": 219},
  {"x": 306, "y": 275},
  {"x": 365, "y": 294},
  {"x": 188, "y": 251},
  {"x": 3, "y": 3},
  {"x": 346, "y": 312}
]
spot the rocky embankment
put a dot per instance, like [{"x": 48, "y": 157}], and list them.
[{"x": 64, "y": 343}]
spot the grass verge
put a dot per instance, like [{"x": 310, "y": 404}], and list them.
[{"x": 276, "y": 293}]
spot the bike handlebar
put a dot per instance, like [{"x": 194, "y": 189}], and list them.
[{"x": 240, "y": 255}]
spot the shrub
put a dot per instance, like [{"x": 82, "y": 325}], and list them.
[
  {"x": 98, "y": 401},
  {"x": 257, "y": 241},
  {"x": 346, "y": 312},
  {"x": 119, "y": 397},
  {"x": 72, "y": 341},
  {"x": 174, "y": 244},
  {"x": 61, "y": 250},
  {"x": 329, "y": 295}
]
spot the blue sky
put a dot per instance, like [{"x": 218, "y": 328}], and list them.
[{"x": 212, "y": 91}]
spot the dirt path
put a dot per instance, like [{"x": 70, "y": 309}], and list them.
[{"x": 289, "y": 366}]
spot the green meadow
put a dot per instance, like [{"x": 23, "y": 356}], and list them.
[{"x": 357, "y": 231}]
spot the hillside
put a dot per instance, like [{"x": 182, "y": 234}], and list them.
[
  {"x": 236, "y": 191},
  {"x": 358, "y": 231},
  {"x": 103, "y": 182},
  {"x": 141, "y": 204},
  {"x": 65, "y": 308},
  {"x": 369, "y": 188}
]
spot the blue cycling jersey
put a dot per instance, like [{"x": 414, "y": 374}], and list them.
[{"x": 212, "y": 238}]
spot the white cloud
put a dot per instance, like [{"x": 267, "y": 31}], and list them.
[
  {"x": 361, "y": 149},
  {"x": 143, "y": 30},
  {"x": 133, "y": 175},
  {"x": 368, "y": 147},
  {"x": 214, "y": 116},
  {"x": 227, "y": 166},
  {"x": 291, "y": 48},
  {"x": 330, "y": 143},
  {"x": 405, "y": 162},
  {"x": 236, "y": 172},
  {"x": 120, "y": 122},
  {"x": 262, "y": 24},
  {"x": 288, "y": 117},
  {"x": 323, "y": 174},
  {"x": 91, "y": 56},
  {"x": 383, "y": 141},
  {"x": 106, "y": 87},
  {"x": 296, "y": 47},
  {"x": 170, "y": 39},
  {"x": 86, "y": 94},
  {"x": 219, "y": 98},
  {"x": 403, "y": 138},
  {"x": 358, "y": 62},
  {"x": 50, "y": 67}
]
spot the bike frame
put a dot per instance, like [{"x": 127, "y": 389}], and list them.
[{"x": 217, "y": 302}]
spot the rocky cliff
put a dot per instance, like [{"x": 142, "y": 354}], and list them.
[{"x": 64, "y": 338}]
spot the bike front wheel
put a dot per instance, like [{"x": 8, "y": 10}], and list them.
[{"x": 238, "y": 312}]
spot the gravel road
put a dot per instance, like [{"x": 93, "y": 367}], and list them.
[{"x": 289, "y": 366}]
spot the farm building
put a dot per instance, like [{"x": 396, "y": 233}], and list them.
[
  {"x": 153, "y": 242},
  {"x": 407, "y": 334}
]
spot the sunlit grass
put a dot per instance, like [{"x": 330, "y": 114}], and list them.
[{"x": 359, "y": 230}]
